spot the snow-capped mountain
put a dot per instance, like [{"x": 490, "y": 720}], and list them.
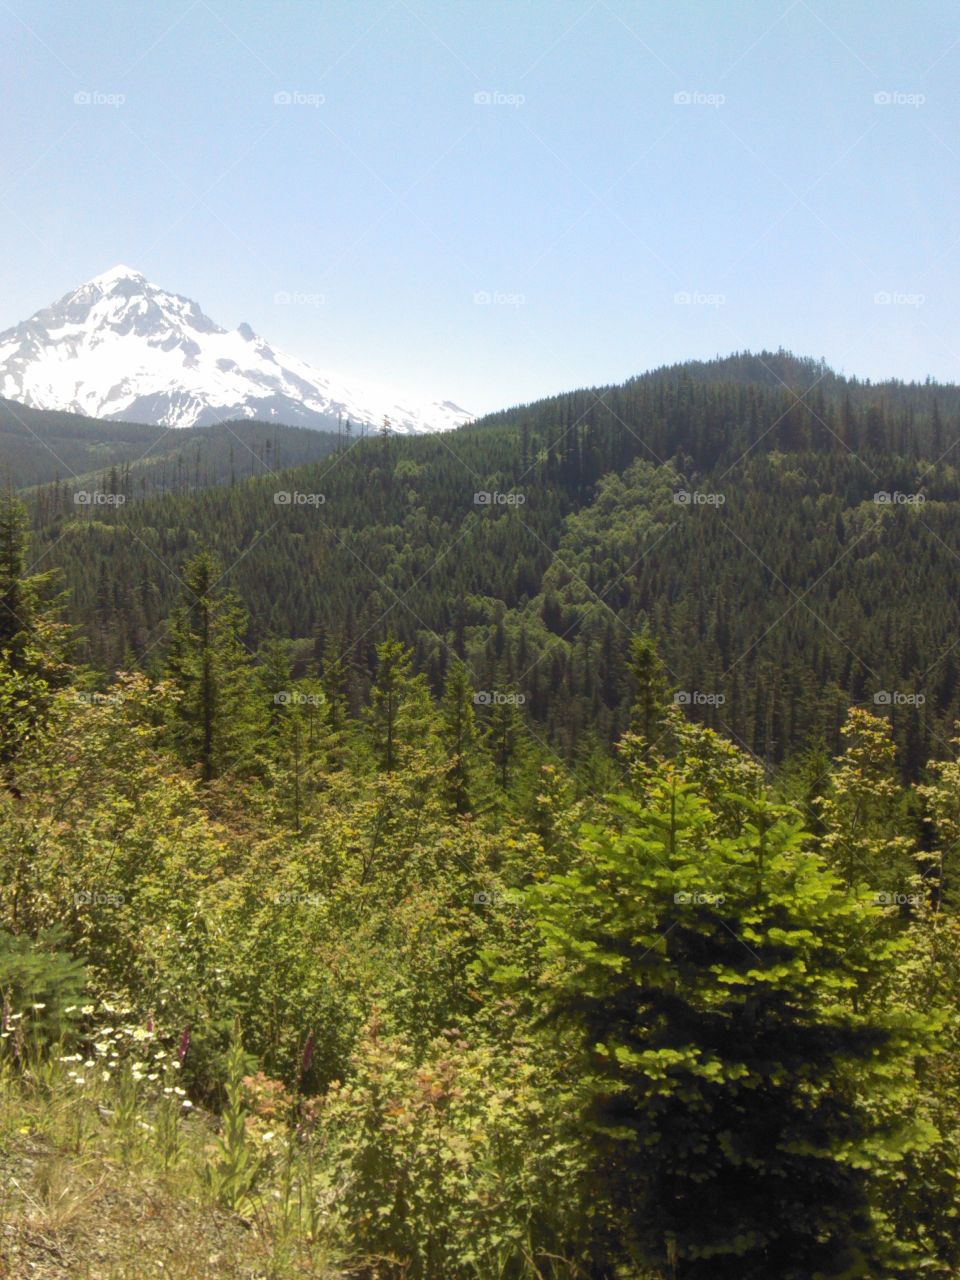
[{"x": 120, "y": 347}]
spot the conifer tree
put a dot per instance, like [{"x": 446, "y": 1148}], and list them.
[
  {"x": 400, "y": 714},
  {"x": 648, "y": 714},
  {"x": 503, "y": 739},
  {"x": 334, "y": 679},
  {"x": 215, "y": 717},
  {"x": 732, "y": 1004},
  {"x": 460, "y": 740}
]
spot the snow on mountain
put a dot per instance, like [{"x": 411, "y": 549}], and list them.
[{"x": 120, "y": 347}]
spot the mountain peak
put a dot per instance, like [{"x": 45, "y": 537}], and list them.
[
  {"x": 121, "y": 347},
  {"x": 107, "y": 279}
]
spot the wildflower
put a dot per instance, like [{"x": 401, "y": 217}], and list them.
[
  {"x": 39, "y": 1005},
  {"x": 307, "y": 1055},
  {"x": 268, "y": 1136},
  {"x": 187, "y": 1104},
  {"x": 183, "y": 1045},
  {"x": 5, "y": 1018}
]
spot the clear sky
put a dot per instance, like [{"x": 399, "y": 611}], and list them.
[{"x": 497, "y": 248}]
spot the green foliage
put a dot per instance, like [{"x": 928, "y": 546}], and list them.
[
  {"x": 546, "y": 597},
  {"x": 648, "y": 715},
  {"x": 232, "y": 1178},
  {"x": 443, "y": 1163},
  {"x": 733, "y": 1006},
  {"x": 510, "y": 1025},
  {"x": 41, "y": 990},
  {"x": 33, "y": 640},
  {"x": 214, "y": 718}
]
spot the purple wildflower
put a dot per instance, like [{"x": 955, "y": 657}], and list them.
[{"x": 307, "y": 1055}]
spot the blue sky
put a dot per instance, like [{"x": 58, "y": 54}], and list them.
[{"x": 636, "y": 183}]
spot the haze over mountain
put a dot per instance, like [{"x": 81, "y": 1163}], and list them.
[{"x": 120, "y": 347}]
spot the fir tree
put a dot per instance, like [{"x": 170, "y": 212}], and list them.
[
  {"x": 719, "y": 987},
  {"x": 215, "y": 717}
]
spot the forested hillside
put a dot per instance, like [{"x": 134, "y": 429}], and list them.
[
  {"x": 304, "y": 975},
  {"x": 762, "y": 534},
  {"x": 38, "y": 446}
]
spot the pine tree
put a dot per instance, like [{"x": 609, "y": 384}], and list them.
[
  {"x": 503, "y": 738},
  {"x": 460, "y": 740},
  {"x": 721, "y": 989},
  {"x": 215, "y": 716},
  {"x": 334, "y": 680},
  {"x": 400, "y": 714},
  {"x": 648, "y": 713}
]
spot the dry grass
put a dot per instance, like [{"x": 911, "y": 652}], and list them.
[{"x": 77, "y": 1204}]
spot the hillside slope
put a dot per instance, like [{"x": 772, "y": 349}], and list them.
[{"x": 767, "y": 585}]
